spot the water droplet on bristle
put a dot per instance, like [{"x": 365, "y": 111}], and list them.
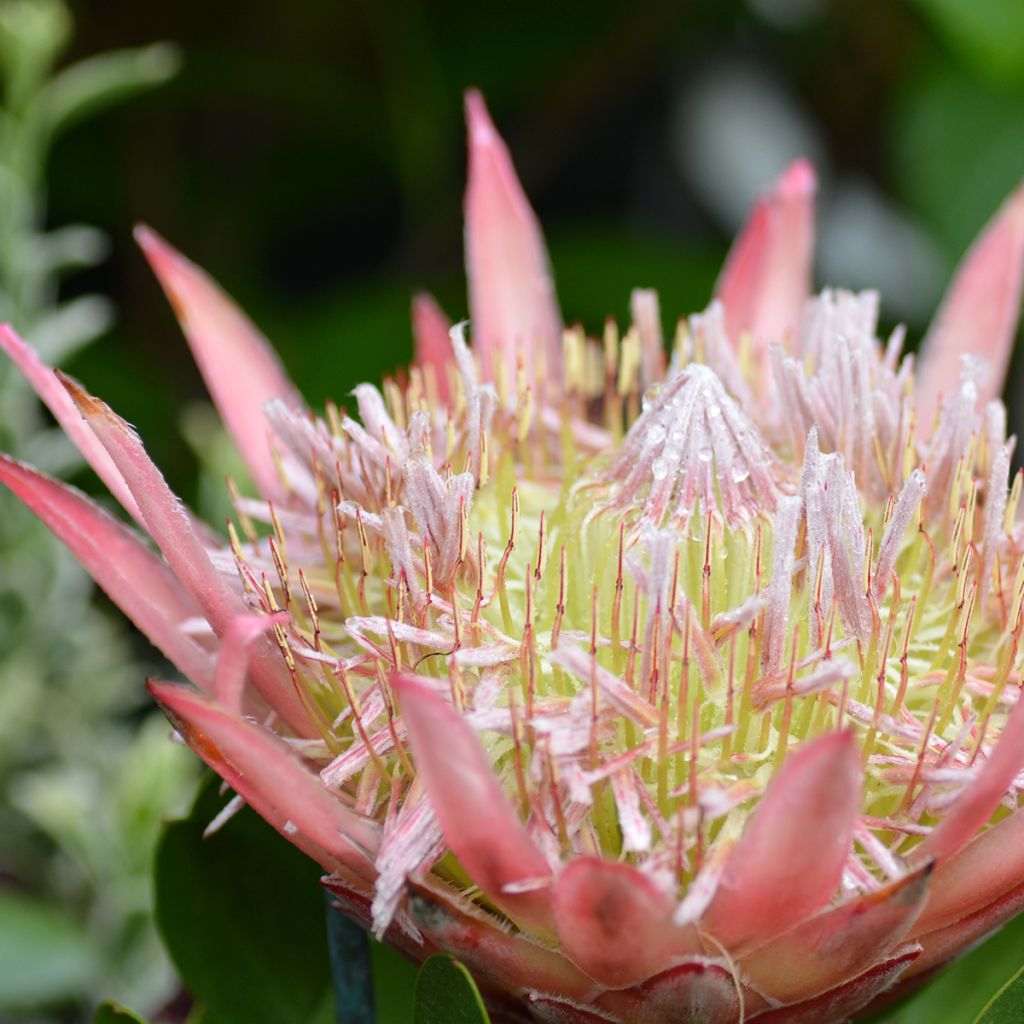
[{"x": 650, "y": 396}]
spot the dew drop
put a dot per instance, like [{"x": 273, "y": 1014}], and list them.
[
  {"x": 739, "y": 473},
  {"x": 650, "y": 397},
  {"x": 704, "y": 453},
  {"x": 656, "y": 434},
  {"x": 659, "y": 467}
]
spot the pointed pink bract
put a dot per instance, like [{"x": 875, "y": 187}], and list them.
[
  {"x": 509, "y": 958},
  {"x": 479, "y": 825},
  {"x": 161, "y": 510},
  {"x": 233, "y": 659},
  {"x": 269, "y": 777},
  {"x": 512, "y": 300},
  {"x": 240, "y": 369},
  {"x": 596, "y": 902},
  {"x": 432, "y": 346},
  {"x": 838, "y": 944},
  {"x": 65, "y": 412},
  {"x": 944, "y": 944},
  {"x": 789, "y": 860},
  {"x": 697, "y": 989},
  {"x": 131, "y": 575},
  {"x": 172, "y": 530},
  {"x": 557, "y": 1011},
  {"x": 979, "y": 799},
  {"x": 978, "y": 315},
  {"x": 843, "y": 1001},
  {"x": 989, "y": 866},
  {"x": 767, "y": 276}
]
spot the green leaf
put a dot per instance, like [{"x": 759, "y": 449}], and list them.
[
  {"x": 989, "y": 34},
  {"x": 957, "y": 148},
  {"x": 1007, "y": 1005},
  {"x": 446, "y": 994},
  {"x": 394, "y": 985},
  {"x": 31, "y": 37},
  {"x": 97, "y": 82},
  {"x": 961, "y": 992},
  {"x": 45, "y": 957},
  {"x": 115, "y": 1013},
  {"x": 242, "y": 915}
]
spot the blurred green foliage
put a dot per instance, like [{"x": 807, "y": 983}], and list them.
[
  {"x": 242, "y": 916},
  {"x": 85, "y": 774},
  {"x": 961, "y": 994},
  {"x": 114, "y": 1013},
  {"x": 988, "y": 36}
]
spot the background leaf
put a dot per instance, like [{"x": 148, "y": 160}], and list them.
[
  {"x": 1007, "y": 1006},
  {"x": 962, "y": 991},
  {"x": 957, "y": 149},
  {"x": 394, "y": 985},
  {"x": 97, "y": 82},
  {"x": 446, "y": 994},
  {"x": 44, "y": 956},
  {"x": 242, "y": 914},
  {"x": 115, "y": 1013},
  {"x": 989, "y": 34}
]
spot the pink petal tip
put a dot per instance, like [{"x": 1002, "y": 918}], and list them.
[
  {"x": 241, "y": 370},
  {"x": 120, "y": 561},
  {"x": 172, "y": 529},
  {"x": 979, "y": 314},
  {"x": 273, "y": 780},
  {"x": 767, "y": 276},
  {"x": 789, "y": 861},
  {"x": 432, "y": 344},
  {"x": 515, "y": 316},
  {"x": 56, "y": 399},
  {"x": 479, "y": 824}
]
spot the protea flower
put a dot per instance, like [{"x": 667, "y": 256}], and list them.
[{"x": 656, "y": 688}]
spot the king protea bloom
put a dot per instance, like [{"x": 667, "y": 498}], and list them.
[{"x": 660, "y": 682}]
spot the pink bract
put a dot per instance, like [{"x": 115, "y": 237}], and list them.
[{"x": 659, "y": 686}]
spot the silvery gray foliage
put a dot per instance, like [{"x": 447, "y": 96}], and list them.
[{"x": 82, "y": 788}]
